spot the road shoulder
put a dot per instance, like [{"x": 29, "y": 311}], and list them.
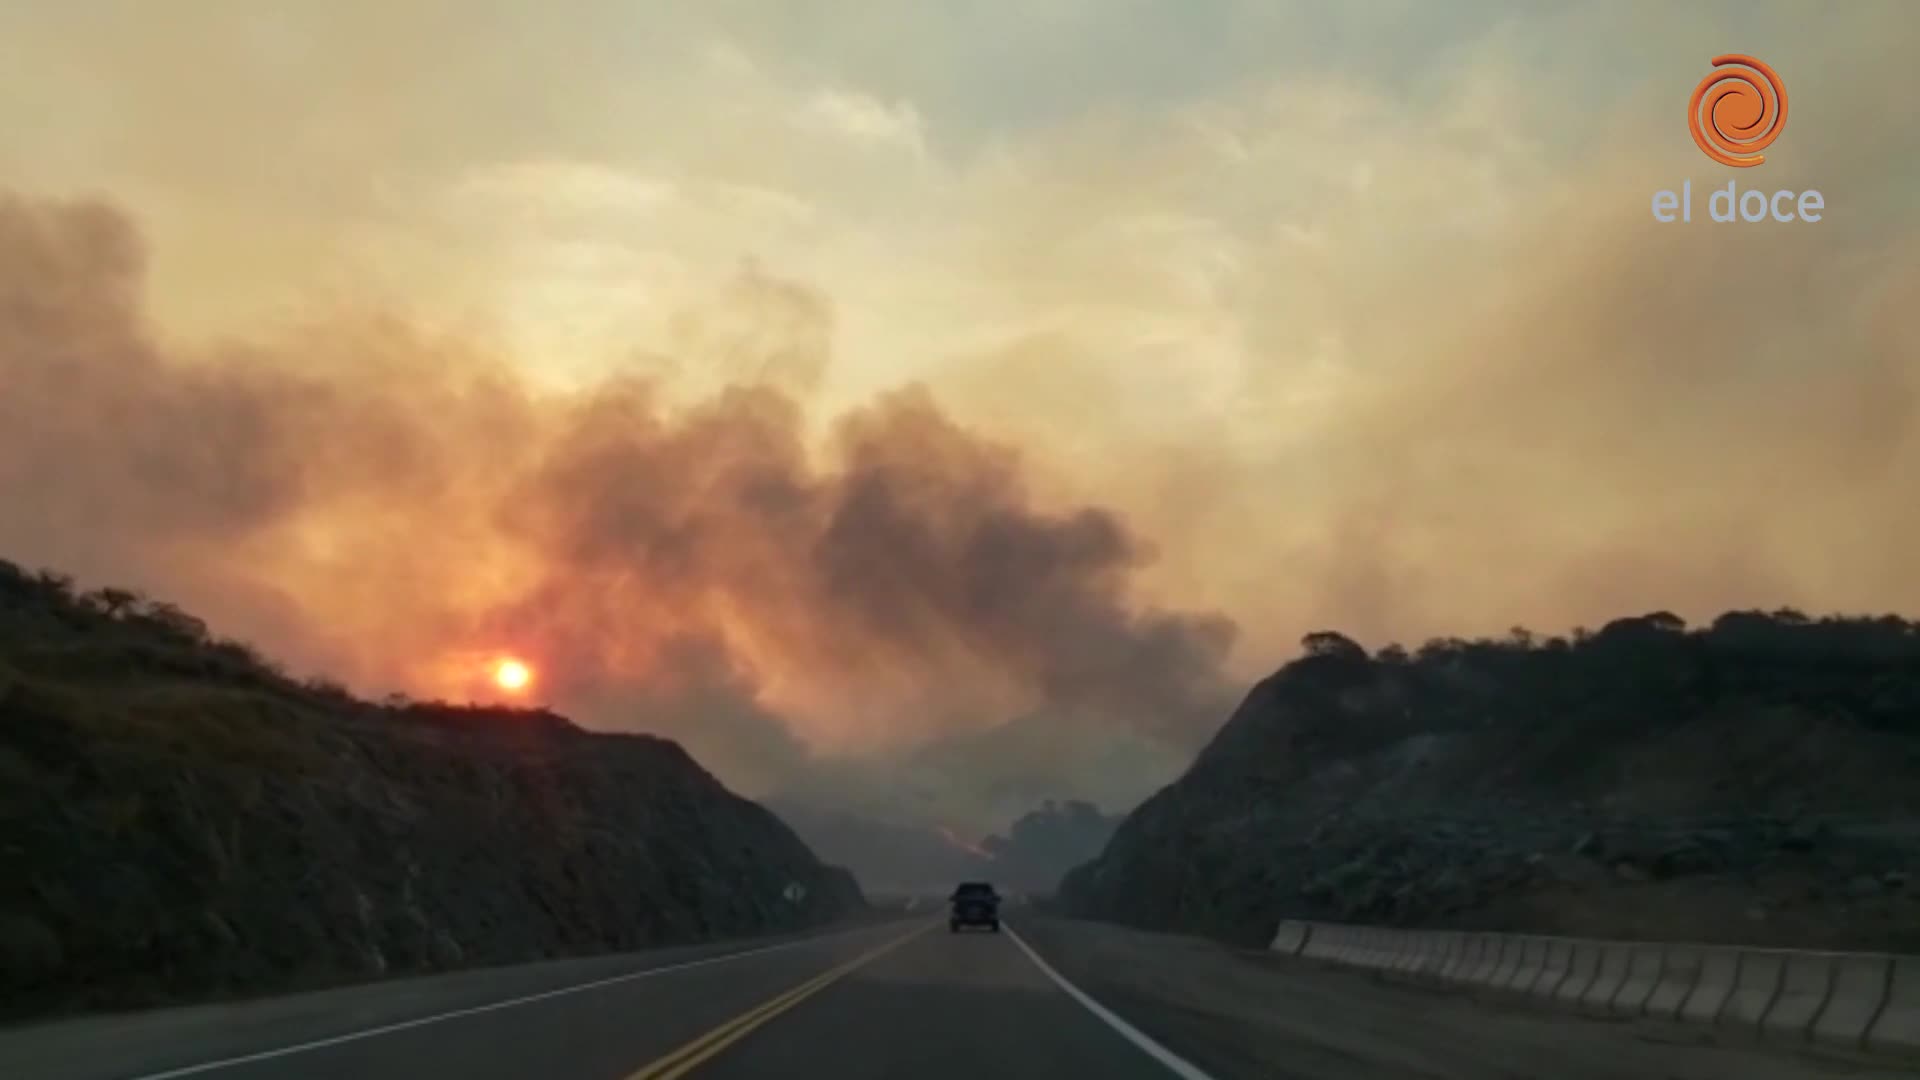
[{"x": 1237, "y": 1014}]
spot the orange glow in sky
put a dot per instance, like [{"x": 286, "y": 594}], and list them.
[{"x": 512, "y": 675}]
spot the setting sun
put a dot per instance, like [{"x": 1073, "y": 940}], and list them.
[{"x": 512, "y": 675}]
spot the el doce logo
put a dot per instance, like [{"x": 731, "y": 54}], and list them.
[
  {"x": 1738, "y": 110},
  {"x": 1731, "y": 111}
]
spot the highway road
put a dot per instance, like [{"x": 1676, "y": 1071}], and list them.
[{"x": 904, "y": 998}]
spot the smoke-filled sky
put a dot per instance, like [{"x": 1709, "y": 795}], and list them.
[{"x": 815, "y": 382}]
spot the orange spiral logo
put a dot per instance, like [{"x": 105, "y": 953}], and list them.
[{"x": 1737, "y": 112}]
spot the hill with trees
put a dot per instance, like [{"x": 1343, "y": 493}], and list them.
[{"x": 1754, "y": 780}]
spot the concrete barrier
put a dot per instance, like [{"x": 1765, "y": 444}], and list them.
[
  {"x": 1681, "y": 968},
  {"x": 1380, "y": 948},
  {"x": 1402, "y": 945},
  {"x": 1307, "y": 930},
  {"x": 1533, "y": 958},
  {"x": 1719, "y": 972},
  {"x": 1454, "y": 970},
  {"x": 1472, "y": 948},
  {"x": 1359, "y": 946},
  {"x": 1477, "y": 952},
  {"x": 1805, "y": 985},
  {"x": 1608, "y": 980},
  {"x": 1446, "y": 953},
  {"x": 1861, "y": 982},
  {"x": 1513, "y": 954},
  {"x": 1341, "y": 946},
  {"x": 1857, "y": 1000},
  {"x": 1897, "y": 1028},
  {"x": 1761, "y": 973},
  {"x": 1504, "y": 950},
  {"x": 1491, "y": 958},
  {"x": 1421, "y": 945},
  {"x": 1558, "y": 966},
  {"x": 1322, "y": 940},
  {"x": 1644, "y": 964},
  {"x": 1398, "y": 950},
  {"x": 1427, "y": 952},
  {"x": 1440, "y": 949},
  {"x": 1394, "y": 948},
  {"x": 1366, "y": 947},
  {"x": 1372, "y": 949},
  {"x": 1353, "y": 946},
  {"x": 1582, "y": 968},
  {"x": 1416, "y": 948},
  {"x": 1290, "y": 937}
]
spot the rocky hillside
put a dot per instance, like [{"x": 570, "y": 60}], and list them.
[
  {"x": 179, "y": 820},
  {"x": 1757, "y": 780}
]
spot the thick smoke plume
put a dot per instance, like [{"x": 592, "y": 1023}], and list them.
[{"x": 397, "y": 510}]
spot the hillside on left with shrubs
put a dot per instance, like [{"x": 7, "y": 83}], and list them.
[{"x": 181, "y": 820}]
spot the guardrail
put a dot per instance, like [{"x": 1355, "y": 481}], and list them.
[{"x": 1867, "y": 1001}]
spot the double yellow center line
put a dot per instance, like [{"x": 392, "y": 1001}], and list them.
[{"x": 689, "y": 1057}]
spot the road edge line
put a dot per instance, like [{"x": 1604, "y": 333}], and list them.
[
  {"x": 1180, "y": 1066},
  {"x": 491, "y": 1006}
]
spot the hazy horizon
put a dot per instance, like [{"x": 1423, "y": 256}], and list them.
[{"x": 830, "y": 392}]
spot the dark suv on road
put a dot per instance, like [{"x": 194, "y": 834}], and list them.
[{"x": 975, "y": 904}]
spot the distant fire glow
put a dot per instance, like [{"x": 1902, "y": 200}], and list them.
[{"x": 512, "y": 675}]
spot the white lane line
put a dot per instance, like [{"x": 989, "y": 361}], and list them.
[
  {"x": 492, "y": 1006},
  {"x": 1178, "y": 1065}
]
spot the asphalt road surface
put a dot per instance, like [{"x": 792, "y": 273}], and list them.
[{"x": 1043, "y": 999}]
